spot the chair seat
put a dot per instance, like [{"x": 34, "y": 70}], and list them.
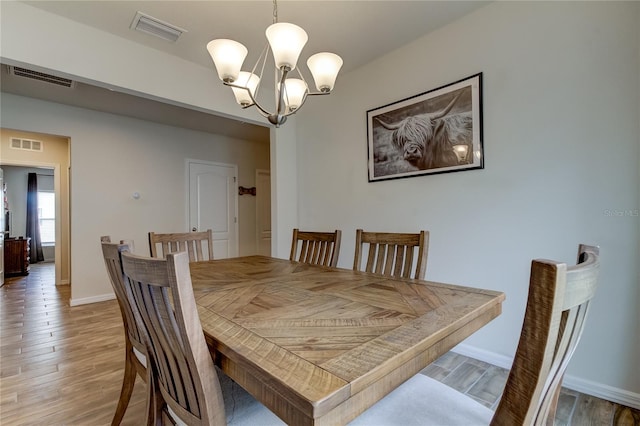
[
  {"x": 423, "y": 401},
  {"x": 417, "y": 399},
  {"x": 241, "y": 408}
]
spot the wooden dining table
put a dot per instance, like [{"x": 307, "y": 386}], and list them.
[{"x": 319, "y": 345}]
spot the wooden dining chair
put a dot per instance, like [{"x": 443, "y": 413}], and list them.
[
  {"x": 316, "y": 248},
  {"x": 392, "y": 254},
  {"x": 135, "y": 349},
  {"x": 557, "y": 307},
  {"x": 184, "y": 386},
  {"x": 193, "y": 243},
  {"x": 129, "y": 243}
]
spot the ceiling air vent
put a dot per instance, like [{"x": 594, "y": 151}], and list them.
[
  {"x": 150, "y": 25},
  {"x": 47, "y": 78},
  {"x": 26, "y": 144}
]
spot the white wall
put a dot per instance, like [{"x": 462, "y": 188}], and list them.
[
  {"x": 284, "y": 188},
  {"x": 561, "y": 136},
  {"x": 112, "y": 157}
]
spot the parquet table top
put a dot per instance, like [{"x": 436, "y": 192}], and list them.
[{"x": 319, "y": 345}]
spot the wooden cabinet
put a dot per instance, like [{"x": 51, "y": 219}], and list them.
[{"x": 16, "y": 256}]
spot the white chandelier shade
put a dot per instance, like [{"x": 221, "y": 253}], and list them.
[
  {"x": 295, "y": 91},
  {"x": 228, "y": 56},
  {"x": 250, "y": 81},
  {"x": 285, "y": 41},
  {"x": 324, "y": 67}
]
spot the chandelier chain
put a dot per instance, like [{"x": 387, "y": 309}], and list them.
[{"x": 275, "y": 11}]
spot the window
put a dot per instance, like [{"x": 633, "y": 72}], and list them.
[{"x": 47, "y": 216}]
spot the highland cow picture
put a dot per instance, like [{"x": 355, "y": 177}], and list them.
[{"x": 434, "y": 132}]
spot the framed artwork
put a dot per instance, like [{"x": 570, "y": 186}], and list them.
[{"x": 438, "y": 131}]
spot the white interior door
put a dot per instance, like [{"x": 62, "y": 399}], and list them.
[
  {"x": 213, "y": 203},
  {"x": 263, "y": 211}
]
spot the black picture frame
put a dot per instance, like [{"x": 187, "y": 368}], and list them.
[{"x": 438, "y": 131}]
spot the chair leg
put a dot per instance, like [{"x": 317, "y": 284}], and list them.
[
  {"x": 155, "y": 402},
  {"x": 553, "y": 406},
  {"x": 128, "y": 381}
]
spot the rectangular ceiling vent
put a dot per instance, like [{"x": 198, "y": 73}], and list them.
[
  {"x": 150, "y": 25},
  {"x": 40, "y": 76},
  {"x": 26, "y": 144}
]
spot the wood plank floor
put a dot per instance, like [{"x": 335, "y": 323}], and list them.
[
  {"x": 63, "y": 365},
  {"x": 485, "y": 382},
  {"x": 60, "y": 365}
]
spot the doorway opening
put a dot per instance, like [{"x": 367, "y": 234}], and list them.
[{"x": 51, "y": 166}]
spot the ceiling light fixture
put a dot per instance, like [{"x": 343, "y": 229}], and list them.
[{"x": 285, "y": 41}]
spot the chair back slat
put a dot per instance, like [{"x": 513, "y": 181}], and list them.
[
  {"x": 379, "y": 262},
  {"x": 393, "y": 254},
  {"x": 185, "y": 379},
  {"x": 557, "y": 307},
  {"x": 304, "y": 252},
  {"x": 191, "y": 242},
  {"x": 111, "y": 253},
  {"x": 398, "y": 260},
  {"x": 313, "y": 251},
  {"x": 323, "y": 253},
  {"x": 316, "y": 248},
  {"x": 407, "y": 263}
]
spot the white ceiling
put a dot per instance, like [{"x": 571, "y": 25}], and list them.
[{"x": 358, "y": 31}]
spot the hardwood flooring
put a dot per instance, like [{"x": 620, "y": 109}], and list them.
[
  {"x": 63, "y": 365},
  {"x": 60, "y": 365},
  {"x": 484, "y": 383}
]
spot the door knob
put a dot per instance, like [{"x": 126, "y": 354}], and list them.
[{"x": 193, "y": 229}]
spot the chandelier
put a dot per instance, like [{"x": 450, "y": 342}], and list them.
[{"x": 285, "y": 41}]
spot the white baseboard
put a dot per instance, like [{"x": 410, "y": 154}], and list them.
[
  {"x": 599, "y": 390},
  {"x": 619, "y": 396},
  {"x": 492, "y": 358},
  {"x": 93, "y": 299}
]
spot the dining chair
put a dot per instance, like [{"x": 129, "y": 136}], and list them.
[
  {"x": 191, "y": 242},
  {"x": 135, "y": 349},
  {"x": 316, "y": 248},
  {"x": 392, "y": 253},
  {"x": 556, "y": 310},
  {"x": 184, "y": 386},
  {"x": 129, "y": 243}
]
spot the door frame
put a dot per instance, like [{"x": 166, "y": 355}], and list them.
[
  {"x": 258, "y": 173},
  {"x": 187, "y": 200},
  {"x": 57, "y": 187}
]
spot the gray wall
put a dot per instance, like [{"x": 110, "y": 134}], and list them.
[
  {"x": 562, "y": 149},
  {"x": 561, "y": 113},
  {"x": 113, "y": 156}
]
